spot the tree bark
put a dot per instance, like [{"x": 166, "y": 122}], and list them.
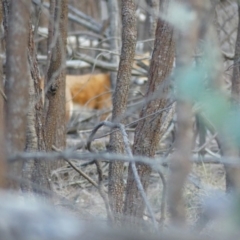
[
  {"x": 5, "y": 4},
  {"x": 180, "y": 164},
  {"x": 114, "y": 33},
  {"x": 151, "y": 22},
  {"x": 55, "y": 129},
  {"x": 230, "y": 147},
  {"x": 3, "y": 167},
  {"x": 35, "y": 171},
  {"x": 148, "y": 130},
  {"x": 116, "y": 185},
  {"x": 17, "y": 81}
]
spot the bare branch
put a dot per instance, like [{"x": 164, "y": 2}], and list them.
[
  {"x": 84, "y": 16},
  {"x": 107, "y": 66},
  {"x": 133, "y": 165},
  {"x": 164, "y": 196},
  {"x": 81, "y": 173},
  {"x": 84, "y": 23}
]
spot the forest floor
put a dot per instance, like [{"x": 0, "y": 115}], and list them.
[
  {"x": 204, "y": 181},
  {"x": 85, "y": 201}
]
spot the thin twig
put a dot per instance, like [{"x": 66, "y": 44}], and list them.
[
  {"x": 100, "y": 176},
  {"x": 84, "y": 16},
  {"x": 135, "y": 173},
  {"x": 102, "y": 190},
  {"x": 227, "y": 56},
  {"x": 105, "y": 156},
  {"x": 205, "y": 144},
  {"x": 136, "y": 121},
  {"x": 77, "y": 170},
  {"x": 105, "y": 65},
  {"x": 211, "y": 152},
  {"x": 163, "y": 203},
  {"x": 133, "y": 165},
  {"x": 3, "y": 94}
]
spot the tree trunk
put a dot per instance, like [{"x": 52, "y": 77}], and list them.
[
  {"x": 5, "y": 4},
  {"x": 3, "y": 167},
  {"x": 55, "y": 129},
  {"x": 151, "y": 22},
  {"x": 180, "y": 164},
  {"x": 116, "y": 185},
  {"x": 114, "y": 33},
  {"x": 148, "y": 131},
  {"x": 231, "y": 148},
  {"x": 35, "y": 172},
  {"x": 17, "y": 81}
]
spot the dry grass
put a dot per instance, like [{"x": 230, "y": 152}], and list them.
[{"x": 204, "y": 179}]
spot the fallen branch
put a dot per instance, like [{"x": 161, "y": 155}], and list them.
[
  {"x": 68, "y": 153},
  {"x": 227, "y": 56},
  {"x": 107, "y": 66},
  {"x": 205, "y": 144},
  {"x": 81, "y": 18},
  {"x": 84, "y": 16},
  {"x": 81, "y": 173},
  {"x": 84, "y": 23}
]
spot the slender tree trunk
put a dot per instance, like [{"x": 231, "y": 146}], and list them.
[
  {"x": 180, "y": 164},
  {"x": 236, "y": 69},
  {"x": 151, "y": 22},
  {"x": 35, "y": 171},
  {"x": 116, "y": 185},
  {"x": 114, "y": 33},
  {"x": 5, "y": 4},
  {"x": 3, "y": 167},
  {"x": 55, "y": 131},
  {"x": 231, "y": 148},
  {"x": 17, "y": 81},
  {"x": 148, "y": 131}
]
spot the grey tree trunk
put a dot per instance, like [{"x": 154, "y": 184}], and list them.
[
  {"x": 3, "y": 167},
  {"x": 231, "y": 148},
  {"x": 55, "y": 129},
  {"x": 148, "y": 130},
  {"x": 180, "y": 164},
  {"x": 151, "y": 22},
  {"x": 17, "y": 82},
  {"x": 35, "y": 171},
  {"x": 116, "y": 185},
  {"x": 115, "y": 35}
]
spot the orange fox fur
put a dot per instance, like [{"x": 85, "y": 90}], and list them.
[
  {"x": 69, "y": 104},
  {"x": 91, "y": 90}
]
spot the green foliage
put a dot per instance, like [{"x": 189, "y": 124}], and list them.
[{"x": 193, "y": 84}]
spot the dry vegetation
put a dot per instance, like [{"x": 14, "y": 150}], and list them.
[{"x": 164, "y": 163}]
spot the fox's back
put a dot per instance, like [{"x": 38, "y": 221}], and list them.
[{"x": 92, "y": 91}]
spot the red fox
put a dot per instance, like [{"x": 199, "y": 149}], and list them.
[{"x": 92, "y": 91}]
